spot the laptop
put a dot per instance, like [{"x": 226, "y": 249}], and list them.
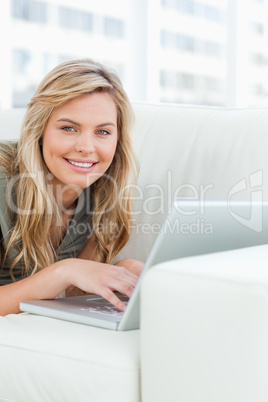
[{"x": 190, "y": 228}]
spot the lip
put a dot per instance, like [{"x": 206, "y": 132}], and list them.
[
  {"x": 78, "y": 168},
  {"x": 80, "y": 160}
]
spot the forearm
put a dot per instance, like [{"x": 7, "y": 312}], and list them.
[{"x": 46, "y": 284}]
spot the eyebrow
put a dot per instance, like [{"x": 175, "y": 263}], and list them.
[
  {"x": 78, "y": 124},
  {"x": 70, "y": 121}
]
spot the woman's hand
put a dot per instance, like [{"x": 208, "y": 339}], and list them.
[
  {"x": 102, "y": 279},
  {"x": 89, "y": 276},
  {"x": 133, "y": 266}
]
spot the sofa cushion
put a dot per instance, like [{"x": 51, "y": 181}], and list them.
[{"x": 44, "y": 359}]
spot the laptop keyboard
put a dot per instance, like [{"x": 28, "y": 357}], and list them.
[{"x": 103, "y": 307}]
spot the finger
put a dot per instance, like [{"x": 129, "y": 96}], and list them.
[
  {"x": 129, "y": 281},
  {"x": 122, "y": 287},
  {"x": 113, "y": 299}
]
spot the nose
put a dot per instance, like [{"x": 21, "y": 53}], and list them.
[{"x": 85, "y": 143}]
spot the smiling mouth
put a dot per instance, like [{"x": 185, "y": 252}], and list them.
[{"x": 81, "y": 164}]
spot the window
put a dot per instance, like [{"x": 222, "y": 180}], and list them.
[
  {"x": 30, "y": 63},
  {"x": 21, "y": 60},
  {"x": 212, "y": 48},
  {"x": 257, "y": 90},
  {"x": 256, "y": 27},
  {"x": 190, "y": 44},
  {"x": 113, "y": 27},
  {"x": 168, "y": 39},
  {"x": 177, "y": 41},
  {"x": 212, "y": 13},
  {"x": 169, "y": 79},
  {"x": 177, "y": 80},
  {"x": 75, "y": 19},
  {"x": 212, "y": 84},
  {"x": 186, "y": 5},
  {"x": 187, "y": 81},
  {"x": 194, "y": 8},
  {"x": 185, "y": 42},
  {"x": 181, "y": 80},
  {"x": 29, "y": 10},
  {"x": 258, "y": 59}
]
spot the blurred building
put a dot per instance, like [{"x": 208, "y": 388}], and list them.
[
  {"x": 193, "y": 51},
  {"x": 211, "y": 52},
  {"x": 41, "y": 34}
]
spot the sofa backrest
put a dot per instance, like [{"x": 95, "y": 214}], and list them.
[
  {"x": 11, "y": 121},
  {"x": 191, "y": 152},
  {"x": 187, "y": 152}
]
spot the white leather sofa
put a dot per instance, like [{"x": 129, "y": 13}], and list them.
[{"x": 204, "y": 319}]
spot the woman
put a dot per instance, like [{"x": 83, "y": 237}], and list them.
[{"x": 65, "y": 202}]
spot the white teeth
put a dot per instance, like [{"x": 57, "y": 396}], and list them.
[{"x": 85, "y": 165}]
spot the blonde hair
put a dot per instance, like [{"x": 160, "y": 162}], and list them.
[{"x": 111, "y": 193}]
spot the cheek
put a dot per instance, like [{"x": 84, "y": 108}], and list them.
[
  {"x": 53, "y": 146},
  {"x": 109, "y": 151}
]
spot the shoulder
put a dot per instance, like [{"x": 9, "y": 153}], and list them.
[
  {"x": 8, "y": 148},
  {"x": 4, "y": 177},
  {"x": 8, "y": 153}
]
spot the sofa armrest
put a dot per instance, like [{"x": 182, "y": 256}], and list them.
[{"x": 204, "y": 328}]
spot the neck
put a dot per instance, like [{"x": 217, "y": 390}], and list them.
[{"x": 66, "y": 197}]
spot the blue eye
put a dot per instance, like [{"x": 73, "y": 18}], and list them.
[
  {"x": 103, "y": 132},
  {"x": 68, "y": 129}
]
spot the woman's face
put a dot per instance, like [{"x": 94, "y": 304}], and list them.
[{"x": 80, "y": 139}]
